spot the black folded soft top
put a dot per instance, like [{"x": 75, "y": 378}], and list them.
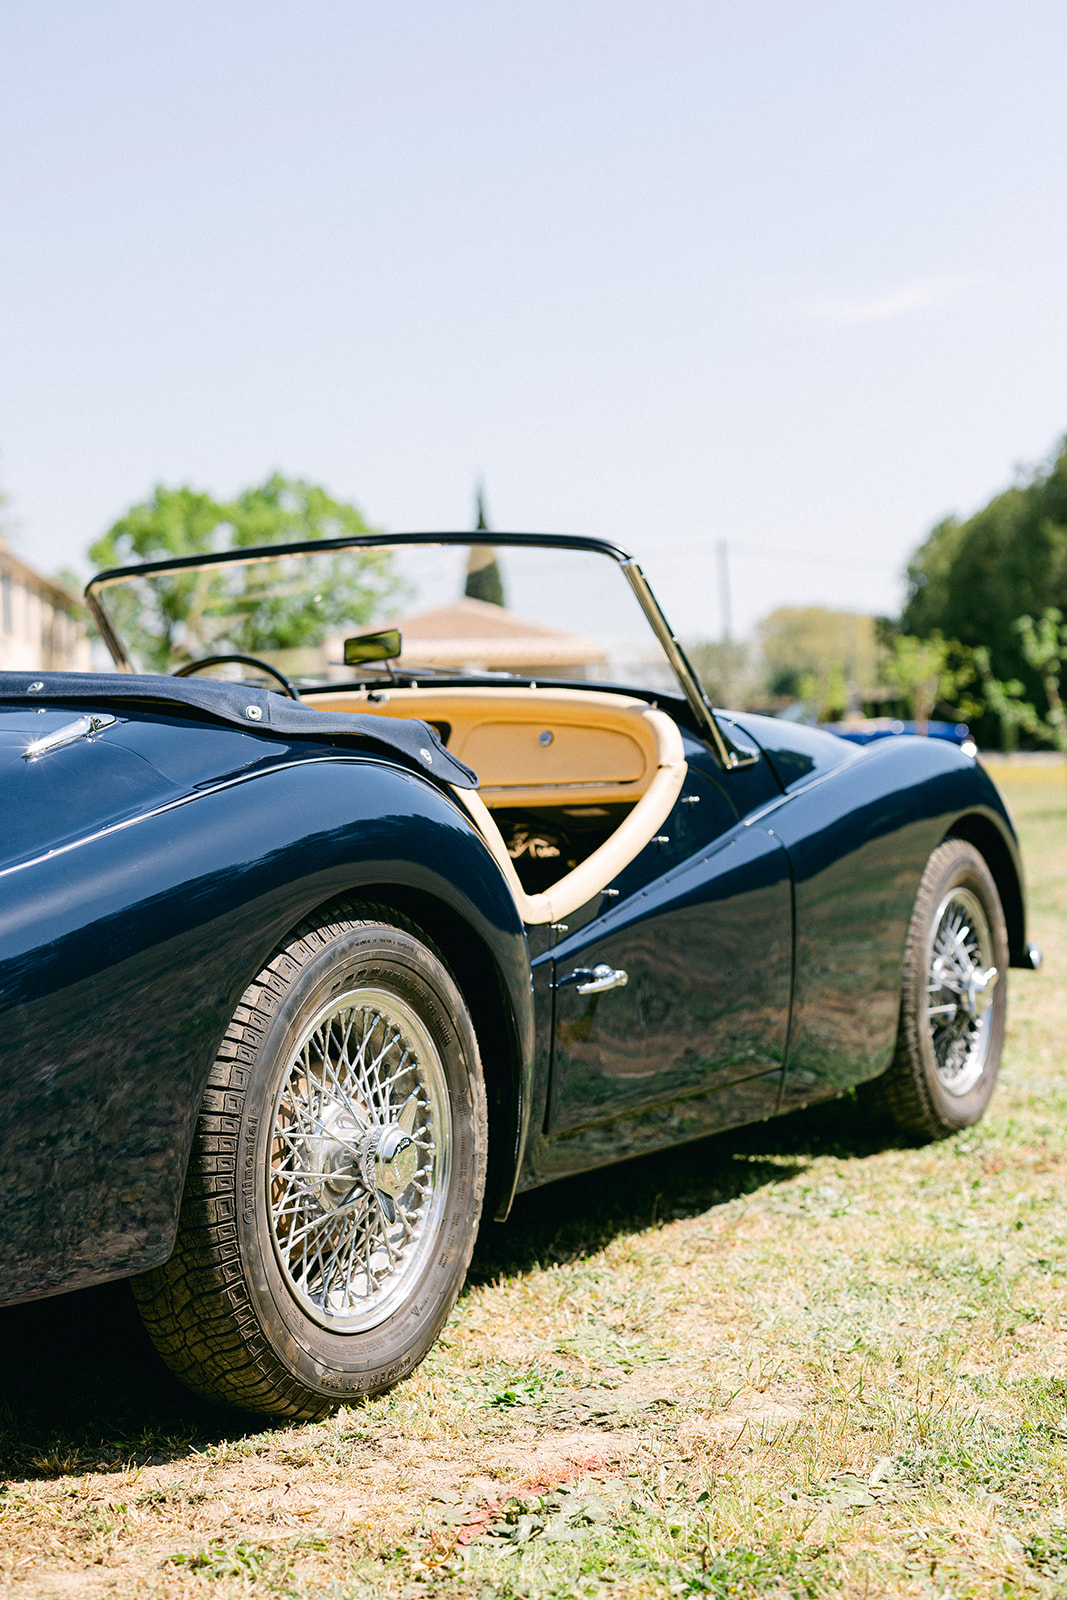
[{"x": 239, "y": 705}]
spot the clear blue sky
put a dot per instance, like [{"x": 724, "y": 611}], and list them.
[{"x": 789, "y": 275}]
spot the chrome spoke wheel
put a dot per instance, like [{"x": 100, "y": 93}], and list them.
[
  {"x": 961, "y": 981},
  {"x": 358, "y": 1159}
]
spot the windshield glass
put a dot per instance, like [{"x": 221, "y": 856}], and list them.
[{"x": 542, "y": 612}]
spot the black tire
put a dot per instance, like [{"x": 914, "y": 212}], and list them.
[
  {"x": 336, "y": 1180},
  {"x": 945, "y": 1067}
]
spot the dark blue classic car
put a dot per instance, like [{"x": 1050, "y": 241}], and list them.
[{"x": 317, "y": 940}]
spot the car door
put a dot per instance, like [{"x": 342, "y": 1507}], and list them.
[{"x": 681, "y": 986}]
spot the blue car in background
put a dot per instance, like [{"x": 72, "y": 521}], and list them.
[{"x": 872, "y": 728}]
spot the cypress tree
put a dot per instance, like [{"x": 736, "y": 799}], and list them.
[{"x": 483, "y": 571}]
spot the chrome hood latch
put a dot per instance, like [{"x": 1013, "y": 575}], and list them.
[{"x": 80, "y": 728}]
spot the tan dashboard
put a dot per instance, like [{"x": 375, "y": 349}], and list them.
[{"x": 530, "y": 746}]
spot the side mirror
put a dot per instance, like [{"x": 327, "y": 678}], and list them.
[{"x": 384, "y": 646}]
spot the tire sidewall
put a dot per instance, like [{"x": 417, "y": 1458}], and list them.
[
  {"x": 955, "y": 865},
  {"x": 344, "y": 1366}
]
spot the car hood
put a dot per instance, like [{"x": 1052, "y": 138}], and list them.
[{"x": 52, "y": 794}]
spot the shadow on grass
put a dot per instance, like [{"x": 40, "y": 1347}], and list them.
[
  {"x": 570, "y": 1219},
  {"x": 82, "y": 1389}
]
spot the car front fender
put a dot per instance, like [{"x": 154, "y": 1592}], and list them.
[{"x": 123, "y": 957}]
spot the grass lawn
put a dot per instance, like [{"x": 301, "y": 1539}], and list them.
[{"x": 795, "y": 1360}]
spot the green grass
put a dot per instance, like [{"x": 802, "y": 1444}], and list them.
[{"x": 799, "y": 1360}]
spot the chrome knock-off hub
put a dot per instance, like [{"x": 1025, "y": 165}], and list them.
[
  {"x": 388, "y": 1163},
  {"x": 960, "y": 990}
]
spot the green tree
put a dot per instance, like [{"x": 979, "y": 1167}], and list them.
[
  {"x": 924, "y": 672},
  {"x": 813, "y": 653},
  {"x": 971, "y": 580},
  {"x": 260, "y": 608},
  {"x": 1044, "y": 648},
  {"x": 722, "y": 667}
]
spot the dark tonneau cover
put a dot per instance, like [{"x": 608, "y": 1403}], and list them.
[{"x": 238, "y": 705}]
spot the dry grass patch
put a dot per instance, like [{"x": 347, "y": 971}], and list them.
[{"x": 795, "y": 1361}]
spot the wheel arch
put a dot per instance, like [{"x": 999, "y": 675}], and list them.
[{"x": 1002, "y": 860}]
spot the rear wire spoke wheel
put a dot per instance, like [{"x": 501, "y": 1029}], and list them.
[
  {"x": 336, "y": 1183},
  {"x": 953, "y": 999},
  {"x": 961, "y": 990}
]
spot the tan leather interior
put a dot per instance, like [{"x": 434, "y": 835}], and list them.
[
  {"x": 534, "y": 747},
  {"x": 599, "y": 749}
]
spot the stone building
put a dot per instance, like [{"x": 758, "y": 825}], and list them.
[{"x": 41, "y": 626}]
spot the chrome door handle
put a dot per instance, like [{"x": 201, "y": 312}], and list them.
[{"x": 601, "y": 979}]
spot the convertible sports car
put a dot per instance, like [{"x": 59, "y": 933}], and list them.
[{"x": 296, "y": 980}]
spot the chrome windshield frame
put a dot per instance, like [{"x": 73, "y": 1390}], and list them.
[{"x": 730, "y": 755}]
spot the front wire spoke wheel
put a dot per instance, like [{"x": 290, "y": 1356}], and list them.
[
  {"x": 359, "y": 1159},
  {"x": 336, "y": 1184}
]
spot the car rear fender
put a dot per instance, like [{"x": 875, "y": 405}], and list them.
[
  {"x": 859, "y": 839},
  {"x": 990, "y": 834}
]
